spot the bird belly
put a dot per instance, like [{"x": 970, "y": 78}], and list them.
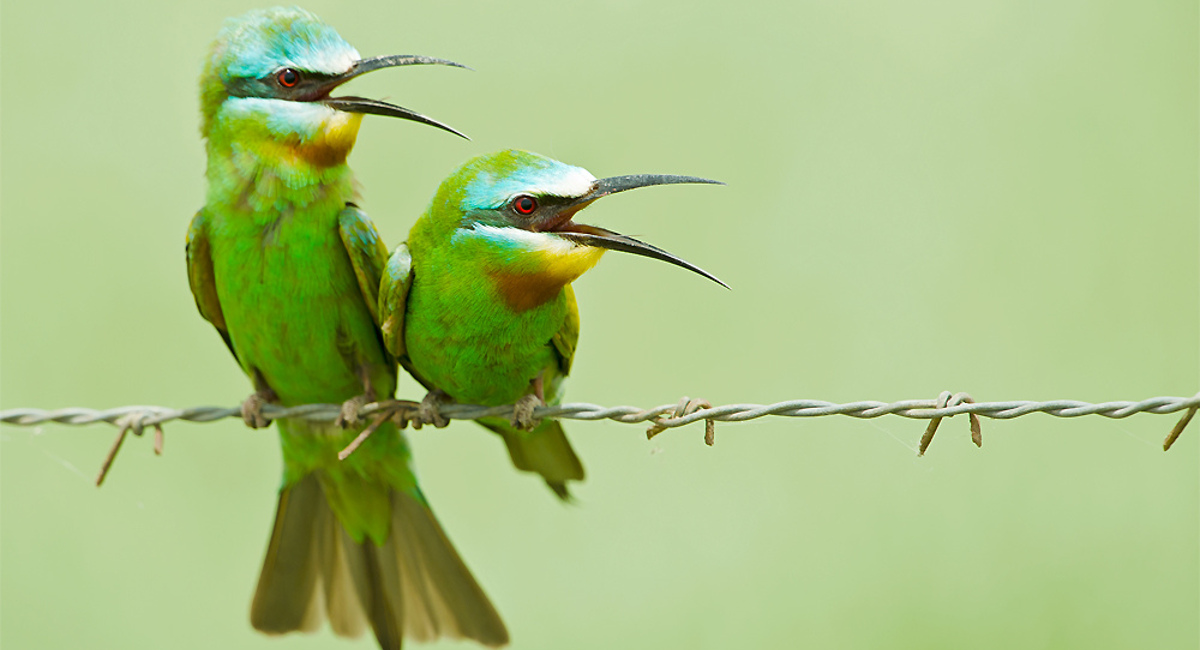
[
  {"x": 296, "y": 315},
  {"x": 480, "y": 351}
]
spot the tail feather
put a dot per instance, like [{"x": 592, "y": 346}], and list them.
[
  {"x": 450, "y": 602},
  {"x": 334, "y": 548},
  {"x": 284, "y": 600},
  {"x": 418, "y": 599},
  {"x": 545, "y": 450},
  {"x": 378, "y": 581},
  {"x": 414, "y": 584}
]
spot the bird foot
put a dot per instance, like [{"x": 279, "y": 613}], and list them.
[
  {"x": 252, "y": 411},
  {"x": 429, "y": 412},
  {"x": 522, "y": 417},
  {"x": 349, "y": 416}
]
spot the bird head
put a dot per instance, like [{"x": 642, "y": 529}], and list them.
[
  {"x": 518, "y": 209},
  {"x": 269, "y": 77}
]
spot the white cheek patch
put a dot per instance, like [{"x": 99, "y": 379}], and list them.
[
  {"x": 282, "y": 118},
  {"x": 517, "y": 239}
]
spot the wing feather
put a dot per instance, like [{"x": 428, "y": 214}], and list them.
[
  {"x": 201, "y": 277},
  {"x": 393, "y": 299},
  {"x": 367, "y": 254},
  {"x": 568, "y": 335}
]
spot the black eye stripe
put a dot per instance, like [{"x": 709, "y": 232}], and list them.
[{"x": 307, "y": 87}]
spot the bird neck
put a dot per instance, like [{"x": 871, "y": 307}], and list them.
[
  {"x": 255, "y": 168},
  {"x": 525, "y": 270}
]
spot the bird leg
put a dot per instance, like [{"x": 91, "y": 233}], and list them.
[
  {"x": 429, "y": 413},
  {"x": 349, "y": 416},
  {"x": 522, "y": 417},
  {"x": 252, "y": 407}
]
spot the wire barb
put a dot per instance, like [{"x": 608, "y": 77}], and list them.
[
  {"x": 946, "y": 400},
  {"x": 687, "y": 406},
  {"x": 135, "y": 421},
  {"x": 362, "y": 437},
  {"x": 1178, "y": 428}
]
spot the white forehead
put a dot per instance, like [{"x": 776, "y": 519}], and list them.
[
  {"x": 489, "y": 190},
  {"x": 262, "y": 41}
]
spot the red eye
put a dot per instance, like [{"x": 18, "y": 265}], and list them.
[
  {"x": 524, "y": 204},
  {"x": 288, "y": 78}
]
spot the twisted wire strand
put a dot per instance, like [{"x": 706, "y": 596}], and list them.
[{"x": 667, "y": 416}]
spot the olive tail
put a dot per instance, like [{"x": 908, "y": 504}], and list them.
[
  {"x": 545, "y": 450},
  {"x": 413, "y": 585}
]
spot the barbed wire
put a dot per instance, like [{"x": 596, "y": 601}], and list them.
[{"x": 135, "y": 419}]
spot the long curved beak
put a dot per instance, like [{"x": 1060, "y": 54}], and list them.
[
  {"x": 602, "y": 238},
  {"x": 614, "y": 184},
  {"x": 380, "y": 107}
]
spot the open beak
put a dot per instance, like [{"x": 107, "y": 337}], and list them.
[
  {"x": 601, "y": 238},
  {"x": 376, "y": 106}
]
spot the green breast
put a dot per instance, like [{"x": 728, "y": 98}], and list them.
[
  {"x": 464, "y": 339},
  {"x": 293, "y": 306}
]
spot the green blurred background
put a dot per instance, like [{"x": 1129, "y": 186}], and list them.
[{"x": 998, "y": 197}]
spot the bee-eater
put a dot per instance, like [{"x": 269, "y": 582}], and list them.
[
  {"x": 287, "y": 269},
  {"x": 477, "y": 305}
]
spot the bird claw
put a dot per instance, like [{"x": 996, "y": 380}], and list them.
[
  {"x": 252, "y": 412},
  {"x": 429, "y": 413},
  {"x": 522, "y": 417},
  {"x": 349, "y": 416}
]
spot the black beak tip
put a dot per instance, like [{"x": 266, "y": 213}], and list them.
[
  {"x": 445, "y": 127},
  {"x": 449, "y": 63},
  {"x": 712, "y": 277}
]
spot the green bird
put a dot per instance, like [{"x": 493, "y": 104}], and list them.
[
  {"x": 287, "y": 269},
  {"x": 477, "y": 305}
]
